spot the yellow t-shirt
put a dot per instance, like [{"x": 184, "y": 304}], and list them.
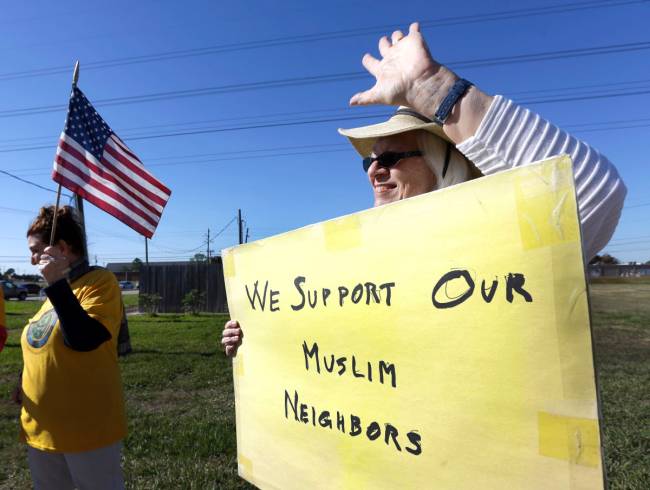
[{"x": 73, "y": 401}]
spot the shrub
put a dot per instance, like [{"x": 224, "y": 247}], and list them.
[
  {"x": 193, "y": 301},
  {"x": 150, "y": 303}
]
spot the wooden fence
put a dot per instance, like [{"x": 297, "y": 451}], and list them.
[{"x": 172, "y": 282}]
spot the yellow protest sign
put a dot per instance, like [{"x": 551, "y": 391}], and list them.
[{"x": 438, "y": 342}]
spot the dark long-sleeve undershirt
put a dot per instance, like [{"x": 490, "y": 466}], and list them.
[{"x": 81, "y": 332}]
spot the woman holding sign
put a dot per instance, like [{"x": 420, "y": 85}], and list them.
[
  {"x": 72, "y": 417},
  {"x": 447, "y": 131}
]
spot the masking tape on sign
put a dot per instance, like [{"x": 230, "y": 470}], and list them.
[
  {"x": 575, "y": 440},
  {"x": 342, "y": 234}
]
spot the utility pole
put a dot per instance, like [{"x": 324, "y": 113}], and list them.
[
  {"x": 207, "y": 273},
  {"x": 208, "y": 250},
  {"x": 246, "y": 239},
  {"x": 241, "y": 227}
]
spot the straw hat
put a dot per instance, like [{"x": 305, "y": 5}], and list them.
[{"x": 405, "y": 119}]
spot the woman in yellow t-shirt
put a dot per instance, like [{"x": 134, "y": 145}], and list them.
[{"x": 72, "y": 417}]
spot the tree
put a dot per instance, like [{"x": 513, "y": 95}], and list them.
[
  {"x": 199, "y": 258},
  {"x": 604, "y": 259},
  {"x": 9, "y": 273},
  {"x": 136, "y": 264},
  {"x": 609, "y": 259}
]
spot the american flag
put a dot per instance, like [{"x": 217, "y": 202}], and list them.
[{"x": 95, "y": 164}]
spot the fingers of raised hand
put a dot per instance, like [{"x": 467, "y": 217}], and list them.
[
  {"x": 397, "y": 35},
  {"x": 414, "y": 27},
  {"x": 371, "y": 64},
  {"x": 384, "y": 46},
  {"x": 368, "y": 97}
]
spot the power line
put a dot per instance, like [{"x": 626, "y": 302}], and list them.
[
  {"x": 305, "y": 38},
  {"x": 152, "y": 243},
  {"x": 133, "y": 131},
  {"x": 637, "y": 205},
  {"x": 558, "y": 91},
  {"x": 225, "y": 227},
  {"x": 217, "y": 130},
  {"x": 34, "y": 184},
  {"x": 323, "y": 148},
  {"x": 129, "y": 133},
  {"x": 268, "y": 154},
  {"x": 351, "y": 118},
  {"x": 630, "y": 238},
  {"x": 550, "y": 55},
  {"x": 631, "y": 242},
  {"x": 584, "y": 97},
  {"x": 618, "y": 251},
  {"x": 335, "y": 77},
  {"x": 17, "y": 211}
]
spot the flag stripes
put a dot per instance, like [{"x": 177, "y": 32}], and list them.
[{"x": 95, "y": 164}]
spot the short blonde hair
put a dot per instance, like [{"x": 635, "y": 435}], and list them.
[{"x": 433, "y": 151}]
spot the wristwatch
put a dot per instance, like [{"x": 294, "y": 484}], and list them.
[{"x": 457, "y": 91}]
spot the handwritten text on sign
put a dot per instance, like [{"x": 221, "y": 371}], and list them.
[{"x": 411, "y": 346}]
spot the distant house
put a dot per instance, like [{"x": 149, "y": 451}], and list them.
[
  {"x": 619, "y": 270},
  {"x": 124, "y": 270}
]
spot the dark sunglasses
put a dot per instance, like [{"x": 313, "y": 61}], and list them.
[{"x": 389, "y": 158}]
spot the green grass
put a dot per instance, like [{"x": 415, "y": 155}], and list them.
[
  {"x": 621, "y": 323},
  {"x": 130, "y": 300},
  {"x": 18, "y": 312},
  {"x": 180, "y": 403},
  {"x": 620, "y": 280}
]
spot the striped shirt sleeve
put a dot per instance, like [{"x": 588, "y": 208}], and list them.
[{"x": 511, "y": 136}]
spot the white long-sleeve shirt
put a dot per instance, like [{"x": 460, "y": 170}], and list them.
[{"x": 511, "y": 136}]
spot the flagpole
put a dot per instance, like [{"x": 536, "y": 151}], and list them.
[
  {"x": 56, "y": 215},
  {"x": 78, "y": 200},
  {"x": 75, "y": 79}
]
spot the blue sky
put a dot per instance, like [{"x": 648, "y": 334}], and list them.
[{"x": 288, "y": 176}]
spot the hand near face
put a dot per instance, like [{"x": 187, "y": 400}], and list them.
[
  {"x": 231, "y": 338},
  {"x": 53, "y": 264},
  {"x": 405, "y": 72}
]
